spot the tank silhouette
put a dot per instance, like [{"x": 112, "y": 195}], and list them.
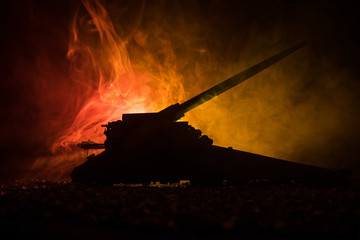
[{"x": 156, "y": 147}]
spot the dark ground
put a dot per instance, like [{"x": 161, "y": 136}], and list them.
[{"x": 65, "y": 210}]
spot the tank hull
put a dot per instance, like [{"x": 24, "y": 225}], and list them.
[{"x": 202, "y": 166}]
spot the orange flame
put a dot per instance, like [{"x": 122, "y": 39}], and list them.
[{"x": 95, "y": 47}]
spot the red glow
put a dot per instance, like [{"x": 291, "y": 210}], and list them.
[{"x": 100, "y": 59}]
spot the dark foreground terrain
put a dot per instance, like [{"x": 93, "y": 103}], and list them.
[{"x": 62, "y": 210}]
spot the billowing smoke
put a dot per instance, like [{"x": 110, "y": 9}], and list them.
[{"x": 67, "y": 72}]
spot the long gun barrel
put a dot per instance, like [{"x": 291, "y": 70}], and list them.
[{"x": 180, "y": 109}]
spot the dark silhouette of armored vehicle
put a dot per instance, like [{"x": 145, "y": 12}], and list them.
[{"x": 144, "y": 147}]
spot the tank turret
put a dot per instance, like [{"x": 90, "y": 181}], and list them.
[{"x": 152, "y": 147}]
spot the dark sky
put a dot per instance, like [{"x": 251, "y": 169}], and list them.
[{"x": 40, "y": 29}]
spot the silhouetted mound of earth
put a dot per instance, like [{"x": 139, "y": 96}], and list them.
[{"x": 60, "y": 210}]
